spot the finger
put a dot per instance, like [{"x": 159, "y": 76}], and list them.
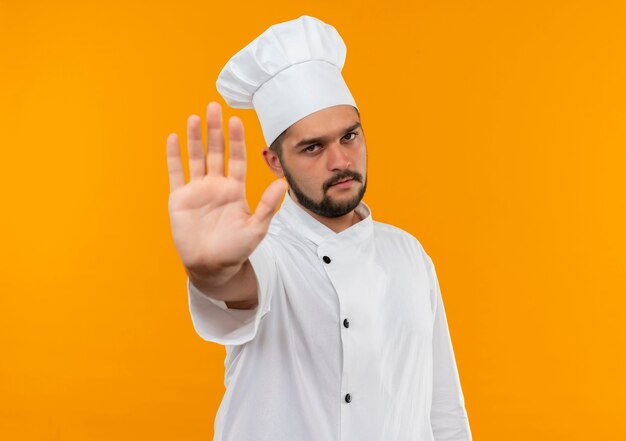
[
  {"x": 268, "y": 204},
  {"x": 215, "y": 139},
  {"x": 174, "y": 163},
  {"x": 237, "y": 150},
  {"x": 195, "y": 148}
]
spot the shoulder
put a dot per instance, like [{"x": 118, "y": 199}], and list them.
[
  {"x": 388, "y": 231},
  {"x": 397, "y": 237}
]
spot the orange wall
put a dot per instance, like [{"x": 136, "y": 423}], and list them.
[{"x": 496, "y": 134}]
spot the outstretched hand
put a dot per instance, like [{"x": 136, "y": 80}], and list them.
[{"x": 212, "y": 225}]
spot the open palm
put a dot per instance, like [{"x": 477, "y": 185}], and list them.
[{"x": 212, "y": 225}]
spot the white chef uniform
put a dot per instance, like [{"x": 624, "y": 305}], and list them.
[{"x": 349, "y": 341}]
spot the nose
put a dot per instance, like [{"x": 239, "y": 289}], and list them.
[{"x": 338, "y": 157}]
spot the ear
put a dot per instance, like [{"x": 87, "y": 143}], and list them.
[{"x": 273, "y": 162}]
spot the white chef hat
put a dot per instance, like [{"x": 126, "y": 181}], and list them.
[{"x": 291, "y": 70}]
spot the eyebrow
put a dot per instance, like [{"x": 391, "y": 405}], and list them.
[{"x": 322, "y": 139}]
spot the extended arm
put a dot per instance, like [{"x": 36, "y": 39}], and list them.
[{"x": 213, "y": 229}]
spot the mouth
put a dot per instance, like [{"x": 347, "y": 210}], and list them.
[{"x": 344, "y": 183}]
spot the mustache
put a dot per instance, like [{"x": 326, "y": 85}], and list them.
[{"x": 347, "y": 174}]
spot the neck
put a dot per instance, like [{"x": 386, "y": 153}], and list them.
[{"x": 337, "y": 224}]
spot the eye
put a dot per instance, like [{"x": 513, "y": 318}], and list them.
[
  {"x": 308, "y": 149},
  {"x": 351, "y": 133}
]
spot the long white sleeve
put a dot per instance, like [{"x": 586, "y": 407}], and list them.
[
  {"x": 215, "y": 322},
  {"x": 449, "y": 419}
]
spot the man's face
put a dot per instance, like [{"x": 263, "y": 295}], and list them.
[{"x": 321, "y": 150}]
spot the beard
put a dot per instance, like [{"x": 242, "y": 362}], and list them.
[{"x": 328, "y": 207}]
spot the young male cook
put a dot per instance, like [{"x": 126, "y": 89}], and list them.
[{"x": 333, "y": 323}]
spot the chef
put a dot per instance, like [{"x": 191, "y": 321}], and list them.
[{"x": 333, "y": 323}]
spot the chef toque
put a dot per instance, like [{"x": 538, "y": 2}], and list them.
[{"x": 291, "y": 70}]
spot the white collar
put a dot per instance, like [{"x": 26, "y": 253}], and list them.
[{"x": 298, "y": 219}]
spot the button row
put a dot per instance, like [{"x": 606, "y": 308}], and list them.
[{"x": 346, "y": 323}]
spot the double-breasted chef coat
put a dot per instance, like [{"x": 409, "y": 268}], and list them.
[{"x": 349, "y": 341}]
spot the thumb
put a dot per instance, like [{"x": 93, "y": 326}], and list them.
[{"x": 269, "y": 203}]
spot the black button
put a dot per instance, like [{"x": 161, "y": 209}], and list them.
[
  {"x": 326, "y": 259},
  {"x": 346, "y": 323},
  {"x": 348, "y": 398}
]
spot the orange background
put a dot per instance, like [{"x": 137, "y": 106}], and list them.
[{"x": 496, "y": 134}]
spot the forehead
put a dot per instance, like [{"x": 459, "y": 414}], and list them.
[{"x": 326, "y": 122}]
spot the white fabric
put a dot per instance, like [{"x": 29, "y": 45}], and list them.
[
  {"x": 291, "y": 361},
  {"x": 291, "y": 70}
]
